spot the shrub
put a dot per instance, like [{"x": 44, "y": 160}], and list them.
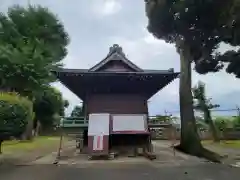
[
  {"x": 236, "y": 123},
  {"x": 221, "y": 123},
  {"x": 15, "y": 113}
]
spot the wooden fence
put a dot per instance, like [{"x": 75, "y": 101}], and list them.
[{"x": 166, "y": 134}]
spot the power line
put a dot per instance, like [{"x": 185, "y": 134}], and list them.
[
  {"x": 213, "y": 110},
  {"x": 223, "y": 110}
]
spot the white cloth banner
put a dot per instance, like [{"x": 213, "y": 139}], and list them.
[
  {"x": 98, "y": 124},
  {"x": 98, "y": 143}
]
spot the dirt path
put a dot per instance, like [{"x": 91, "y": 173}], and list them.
[{"x": 165, "y": 157}]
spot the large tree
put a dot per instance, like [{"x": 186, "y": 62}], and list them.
[
  {"x": 204, "y": 104},
  {"x": 196, "y": 27},
  {"x": 32, "y": 43}
]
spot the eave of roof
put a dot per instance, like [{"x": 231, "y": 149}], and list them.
[
  {"x": 77, "y": 81},
  {"x": 86, "y": 71}
]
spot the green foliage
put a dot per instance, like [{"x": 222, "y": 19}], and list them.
[
  {"x": 196, "y": 26},
  {"x": 161, "y": 119},
  {"x": 221, "y": 123},
  {"x": 236, "y": 122},
  {"x": 201, "y": 102},
  {"x": 200, "y": 26},
  {"x": 66, "y": 103},
  {"x": 15, "y": 112},
  {"x": 32, "y": 44},
  {"x": 48, "y": 105},
  {"x": 35, "y": 24},
  {"x": 232, "y": 37},
  {"x": 77, "y": 112},
  {"x": 63, "y": 107}
]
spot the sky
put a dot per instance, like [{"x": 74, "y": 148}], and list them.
[{"x": 95, "y": 25}]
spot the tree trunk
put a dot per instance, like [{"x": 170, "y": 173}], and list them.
[
  {"x": 1, "y": 141},
  {"x": 208, "y": 119},
  {"x": 37, "y": 129},
  {"x": 28, "y": 134},
  {"x": 190, "y": 141}
]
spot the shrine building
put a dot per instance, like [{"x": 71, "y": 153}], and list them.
[{"x": 115, "y": 94}]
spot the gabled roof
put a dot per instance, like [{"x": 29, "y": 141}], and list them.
[{"x": 116, "y": 53}]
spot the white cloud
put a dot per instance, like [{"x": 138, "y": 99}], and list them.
[
  {"x": 218, "y": 84},
  {"x": 151, "y": 40},
  {"x": 106, "y": 7},
  {"x": 226, "y": 47},
  {"x": 142, "y": 50}
]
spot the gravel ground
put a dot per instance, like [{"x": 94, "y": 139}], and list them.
[
  {"x": 167, "y": 167},
  {"x": 128, "y": 171}
]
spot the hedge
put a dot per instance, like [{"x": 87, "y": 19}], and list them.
[{"x": 15, "y": 113}]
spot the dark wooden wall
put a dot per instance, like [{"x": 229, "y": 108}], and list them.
[{"x": 117, "y": 104}]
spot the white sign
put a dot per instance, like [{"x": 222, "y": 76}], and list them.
[
  {"x": 129, "y": 122},
  {"x": 98, "y": 124}
]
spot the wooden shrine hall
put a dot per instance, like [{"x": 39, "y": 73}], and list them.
[{"x": 115, "y": 95}]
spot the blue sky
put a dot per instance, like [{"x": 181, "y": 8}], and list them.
[{"x": 94, "y": 25}]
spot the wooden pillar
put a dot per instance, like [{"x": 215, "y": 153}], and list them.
[
  {"x": 85, "y": 112},
  {"x": 173, "y": 138},
  {"x": 85, "y": 102}
]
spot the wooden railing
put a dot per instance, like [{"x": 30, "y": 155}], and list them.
[
  {"x": 69, "y": 122},
  {"x": 73, "y": 122}
]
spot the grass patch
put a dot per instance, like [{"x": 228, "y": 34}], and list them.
[
  {"x": 227, "y": 143},
  {"x": 231, "y": 143},
  {"x": 36, "y": 143}
]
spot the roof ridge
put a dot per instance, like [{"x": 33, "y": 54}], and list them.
[{"x": 115, "y": 50}]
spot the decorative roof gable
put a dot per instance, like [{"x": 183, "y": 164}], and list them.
[{"x": 116, "y": 54}]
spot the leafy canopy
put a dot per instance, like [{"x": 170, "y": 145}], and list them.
[
  {"x": 197, "y": 26},
  {"x": 32, "y": 43},
  {"x": 15, "y": 113},
  {"x": 48, "y": 104}
]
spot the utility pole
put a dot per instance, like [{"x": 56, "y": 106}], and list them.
[
  {"x": 238, "y": 110},
  {"x": 166, "y": 116},
  {"x": 165, "y": 112}
]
